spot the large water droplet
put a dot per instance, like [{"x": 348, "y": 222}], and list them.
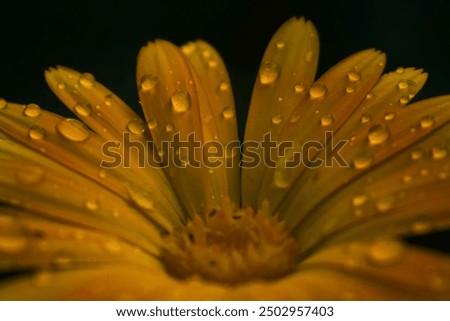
[
  {"x": 363, "y": 160},
  {"x": 148, "y": 82},
  {"x": 228, "y": 112},
  {"x": 317, "y": 90},
  {"x": 83, "y": 108},
  {"x": 386, "y": 252},
  {"x": 354, "y": 76},
  {"x": 378, "y": 134},
  {"x": 136, "y": 126},
  {"x": 3, "y": 103},
  {"x": 31, "y": 175},
  {"x": 36, "y": 133},
  {"x": 181, "y": 101},
  {"x": 277, "y": 119},
  {"x": 32, "y": 110},
  {"x": 427, "y": 122},
  {"x": 269, "y": 72},
  {"x": 327, "y": 120},
  {"x": 72, "y": 130},
  {"x": 87, "y": 80}
]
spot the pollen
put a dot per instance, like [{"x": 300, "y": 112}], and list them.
[{"x": 231, "y": 246}]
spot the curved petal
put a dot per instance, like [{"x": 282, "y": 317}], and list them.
[{"x": 184, "y": 102}]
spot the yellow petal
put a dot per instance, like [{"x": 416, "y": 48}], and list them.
[
  {"x": 70, "y": 143},
  {"x": 287, "y": 70},
  {"x": 181, "y": 97}
]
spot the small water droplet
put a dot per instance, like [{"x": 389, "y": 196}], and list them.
[
  {"x": 366, "y": 118},
  {"x": 386, "y": 252},
  {"x": 407, "y": 179},
  {"x": 31, "y": 175},
  {"x": 91, "y": 205},
  {"x": 189, "y": 48},
  {"x": 309, "y": 56},
  {"x": 228, "y": 112},
  {"x": 148, "y": 82},
  {"x": 83, "y": 108},
  {"x": 212, "y": 63},
  {"x": 281, "y": 178},
  {"x": 152, "y": 123},
  {"x": 422, "y": 224},
  {"x": 403, "y": 84},
  {"x": 269, "y": 72},
  {"x": 317, "y": 90},
  {"x": 61, "y": 85},
  {"x": 299, "y": 87},
  {"x": 13, "y": 243},
  {"x": 32, "y": 110},
  {"x": 416, "y": 154},
  {"x": 180, "y": 100},
  {"x": 277, "y": 119},
  {"x": 403, "y": 100},
  {"x": 349, "y": 89},
  {"x": 87, "y": 80},
  {"x": 399, "y": 70},
  {"x": 112, "y": 246},
  {"x": 281, "y": 44},
  {"x": 359, "y": 200},
  {"x": 224, "y": 86},
  {"x": 108, "y": 99},
  {"x": 36, "y": 133},
  {"x": 73, "y": 130},
  {"x": 206, "y": 53},
  {"x": 385, "y": 204},
  {"x": 294, "y": 118},
  {"x": 363, "y": 160},
  {"x": 439, "y": 152},
  {"x": 140, "y": 198},
  {"x": 389, "y": 116},
  {"x": 427, "y": 122},
  {"x": 354, "y": 76},
  {"x": 169, "y": 127},
  {"x": 370, "y": 95},
  {"x": 136, "y": 126},
  {"x": 102, "y": 173},
  {"x": 378, "y": 134},
  {"x": 327, "y": 120}
]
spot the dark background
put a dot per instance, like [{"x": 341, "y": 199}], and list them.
[{"x": 104, "y": 37}]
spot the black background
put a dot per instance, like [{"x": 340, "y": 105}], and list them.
[{"x": 104, "y": 37}]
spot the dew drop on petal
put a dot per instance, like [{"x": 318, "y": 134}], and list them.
[
  {"x": 294, "y": 118},
  {"x": 141, "y": 198},
  {"x": 32, "y": 110},
  {"x": 36, "y": 133},
  {"x": 228, "y": 112},
  {"x": 402, "y": 84},
  {"x": 224, "y": 86},
  {"x": 309, "y": 56},
  {"x": 354, "y": 76},
  {"x": 62, "y": 261},
  {"x": 349, "y": 89},
  {"x": 299, "y": 88},
  {"x": 102, "y": 173},
  {"x": 400, "y": 70},
  {"x": 169, "y": 127},
  {"x": 281, "y": 44},
  {"x": 378, "y": 134},
  {"x": 181, "y": 101},
  {"x": 277, "y": 119},
  {"x": 385, "y": 252},
  {"x": 31, "y": 175},
  {"x": 61, "y": 85},
  {"x": 83, "y": 108},
  {"x": 86, "y": 80},
  {"x": 152, "y": 123},
  {"x": 407, "y": 179},
  {"x": 136, "y": 126},
  {"x": 327, "y": 120},
  {"x": 359, "y": 200},
  {"x": 148, "y": 82},
  {"x": 281, "y": 178},
  {"x": 365, "y": 118},
  {"x": 439, "y": 152},
  {"x": 269, "y": 72},
  {"x": 91, "y": 205},
  {"x": 427, "y": 122},
  {"x": 317, "y": 90},
  {"x": 363, "y": 160},
  {"x": 422, "y": 224},
  {"x": 416, "y": 154},
  {"x": 13, "y": 244},
  {"x": 112, "y": 246},
  {"x": 370, "y": 95},
  {"x": 73, "y": 130},
  {"x": 385, "y": 204},
  {"x": 108, "y": 100},
  {"x": 403, "y": 100},
  {"x": 389, "y": 116},
  {"x": 3, "y": 103}
]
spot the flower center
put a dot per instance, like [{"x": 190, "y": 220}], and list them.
[{"x": 231, "y": 246}]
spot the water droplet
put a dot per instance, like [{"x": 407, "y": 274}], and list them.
[
  {"x": 294, "y": 118},
  {"x": 422, "y": 224},
  {"x": 91, "y": 205},
  {"x": 442, "y": 176},
  {"x": 427, "y": 122},
  {"x": 206, "y": 53},
  {"x": 13, "y": 244},
  {"x": 269, "y": 72},
  {"x": 281, "y": 178},
  {"x": 62, "y": 261},
  {"x": 402, "y": 85},
  {"x": 36, "y": 133},
  {"x": 299, "y": 88},
  {"x": 277, "y": 119},
  {"x": 317, "y": 90},
  {"x": 112, "y": 246},
  {"x": 400, "y": 70},
  {"x": 370, "y": 95},
  {"x": 148, "y": 82},
  {"x": 3, "y": 103},
  {"x": 354, "y": 76},
  {"x": 136, "y": 126},
  {"x": 403, "y": 100},
  {"x": 224, "y": 86},
  {"x": 152, "y": 123},
  {"x": 102, "y": 173},
  {"x": 349, "y": 89},
  {"x": 189, "y": 48},
  {"x": 385, "y": 252},
  {"x": 87, "y": 80},
  {"x": 389, "y": 116},
  {"x": 73, "y": 130},
  {"x": 359, "y": 200},
  {"x": 31, "y": 175},
  {"x": 439, "y": 152},
  {"x": 140, "y": 198},
  {"x": 366, "y": 118},
  {"x": 385, "y": 204},
  {"x": 416, "y": 154},
  {"x": 407, "y": 179},
  {"x": 169, "y": 127},
  {"x": 32, "y": 110},
  {"x": 424, "y": 172},
  {"x": 281, "y": 44},
  {"x": 180, "y": 100},
  {"x": 61, "y": 85},
  {"x": 309, "y": 56},
  {"x": 83, "y": 108},
  {"x": 327, "y": 120},
  {"x": 228, "y": 112},
  {"x": 363, "y": 160},
  {"x": 378, "y": 134},
  {"x": 108, "y": 99}
]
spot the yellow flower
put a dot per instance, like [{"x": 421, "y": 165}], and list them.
[{"x": 334, "y": 172}]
